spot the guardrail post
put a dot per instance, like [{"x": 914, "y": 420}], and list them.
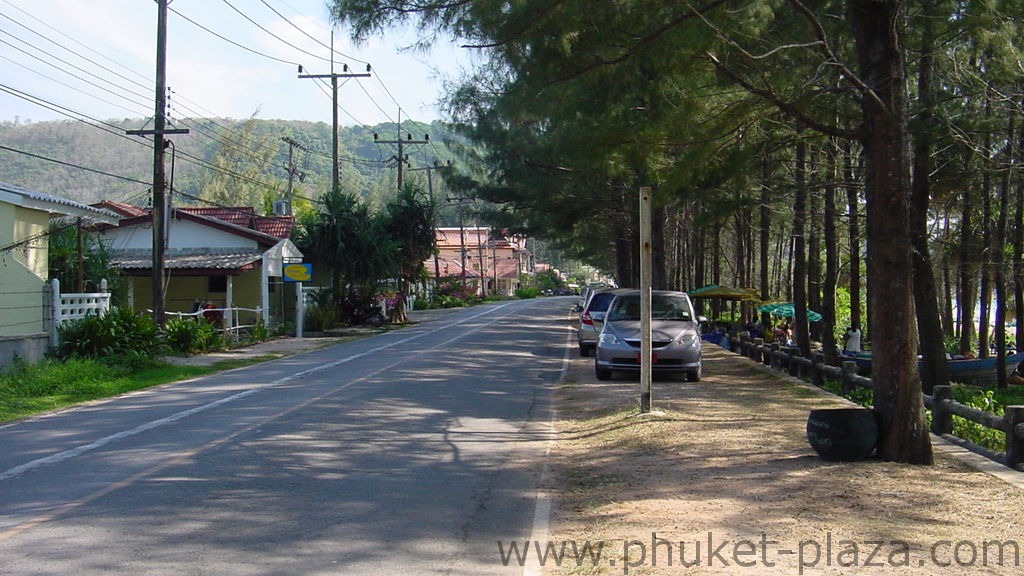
[
  {"x": 942, "y": 418},
  {"x": 794, "y": 367},
  {"x": 755, "y": 352},
  {"x": 846, "y": 380},
  {"x": 774, "y": 356},
  {"x": 1013, "y": 417},
  {"x": 817, "y": 377}
]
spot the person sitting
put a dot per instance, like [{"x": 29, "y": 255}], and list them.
[{"x": 851, "y": 341}]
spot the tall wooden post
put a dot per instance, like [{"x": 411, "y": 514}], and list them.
[{"x": 645, "y": 299}]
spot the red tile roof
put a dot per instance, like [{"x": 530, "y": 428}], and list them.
[{"x": 244, "y": 216}]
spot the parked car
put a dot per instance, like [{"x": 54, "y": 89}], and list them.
[
  {"x": 675, "y": 335},
  {"x": 591, "y": 318},
  {"x": 586, "y": 292}
]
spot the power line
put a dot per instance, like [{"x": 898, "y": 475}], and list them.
[{"x": 232, "y": 42}]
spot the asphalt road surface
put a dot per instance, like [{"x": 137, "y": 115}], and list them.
[{"x": 413, "y": 452}]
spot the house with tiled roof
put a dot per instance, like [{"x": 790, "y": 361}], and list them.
[
  {"x": 24, "y": 247},
  {"x": 488, "y": 260},
  {"x": 226, "y": 257}
]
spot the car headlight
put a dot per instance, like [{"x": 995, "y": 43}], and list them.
[
  {"x": 608, "y": 338},
  {"x": 689, "y": 339}
]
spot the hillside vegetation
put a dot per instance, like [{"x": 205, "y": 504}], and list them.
[{"x": 240, "y": 159}]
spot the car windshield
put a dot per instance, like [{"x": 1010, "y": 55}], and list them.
[
  {"x": 663, "y": 307},
  {"x": 599, "y": 303}
]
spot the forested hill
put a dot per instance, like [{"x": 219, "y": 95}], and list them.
[{"x": 223, "y": 160}]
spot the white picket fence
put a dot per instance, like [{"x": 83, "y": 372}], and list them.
[{"x": 74, "y": 306}]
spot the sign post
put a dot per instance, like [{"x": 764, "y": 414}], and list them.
[{"x": 297, "y": 273}]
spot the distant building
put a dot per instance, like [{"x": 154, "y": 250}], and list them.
[{"x": 490, "y": 261}]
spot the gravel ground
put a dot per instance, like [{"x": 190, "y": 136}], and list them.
[{"x": 720, "y": 479}]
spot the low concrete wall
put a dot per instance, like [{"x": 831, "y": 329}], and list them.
[{"x": 30, "y": 348}]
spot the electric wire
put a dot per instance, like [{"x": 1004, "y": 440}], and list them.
[
  {"x": 232, "y": 42},
  {"x": 275, "y": 36}
]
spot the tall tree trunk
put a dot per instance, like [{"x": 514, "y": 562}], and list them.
[
  {"x": 800, "y": 333},
  {"x": 998, "y": 255},
  {"x": 814, "y": 251},
  {"x": 659, "y": 279},
  {"x": 985, "y": 296},
  {"x": 899, "y": 407},
  {"x": 965, "y": 283},
  {"x": 934, "y": 370},
  {"x": 766, "y": 220},
  {"x": 1018, "y": 252},
  {"x": 828, "y": 297},
  {"x": 853, "y": 215}
]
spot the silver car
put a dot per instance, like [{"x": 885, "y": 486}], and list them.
[
  {"x": 675, "y": 335},
  {"x": 591, "y": 318}
]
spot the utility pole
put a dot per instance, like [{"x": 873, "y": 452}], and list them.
[
  {"x": 462, "y": 201},
  {"x": 334, "y": 89},
  {"x": 401, "y": 154},
  {"x": 159, "y": 177},
  {"x": 292, "y": 169},
  {"x": 645, "y": 300},
  {"x": 430, "y": 192}
]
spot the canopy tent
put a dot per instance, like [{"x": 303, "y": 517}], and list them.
[
  {"x": 785, "y": 309},
  {"x": 724, "y": 293}
]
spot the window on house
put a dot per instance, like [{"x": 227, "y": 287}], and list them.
[{"x": 217, "y": 284}]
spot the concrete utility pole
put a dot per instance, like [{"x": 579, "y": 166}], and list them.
[
  {"x": 292, "y": 169},
  {"x": 159, "y": 177},
  {"x": 401, "y": 154},
  {"x": 334, "y": 89}
]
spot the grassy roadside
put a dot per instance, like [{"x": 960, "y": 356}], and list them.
[{"x": 31, "y": 389}]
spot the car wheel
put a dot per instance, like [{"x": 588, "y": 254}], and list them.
[
  {"x": 693, "y": 376},
  {"x": 602, "y": 373},
  {"x": 584, "y": 351}
]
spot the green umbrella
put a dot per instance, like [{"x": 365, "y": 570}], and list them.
[
  {"x": 785, "y": 309},
  {"x": 724, "y": 292}
]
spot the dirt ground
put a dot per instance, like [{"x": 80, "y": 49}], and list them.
[{"x": 720, "y": 479}]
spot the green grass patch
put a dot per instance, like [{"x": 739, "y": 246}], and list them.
[{"x": 29, "y": 389}]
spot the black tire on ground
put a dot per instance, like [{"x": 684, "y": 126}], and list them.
[
  {"x": 602, "y": 373},
  {"x": 693, "y": 376},
  {"x": 584, "y": 351}
]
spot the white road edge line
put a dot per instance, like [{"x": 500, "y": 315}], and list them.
[
  {"x": 74, "y": 452},
  {"x": 540, "y": 532}
]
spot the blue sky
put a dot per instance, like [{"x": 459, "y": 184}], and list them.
[{"x": 97, "y": 58}]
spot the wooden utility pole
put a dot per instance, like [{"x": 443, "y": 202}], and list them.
[
  {"x": 645, "y": 299},
  {"x": 334, "y": 115},
  {"x": 159, "y": 212}
]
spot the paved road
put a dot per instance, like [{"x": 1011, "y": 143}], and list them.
[{"x": 413, "y": 452}]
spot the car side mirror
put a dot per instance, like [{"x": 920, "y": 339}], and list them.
[{"x": 702, "y": 319}]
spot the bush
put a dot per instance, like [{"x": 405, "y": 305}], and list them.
[
  {"x": 320, "y": 317},
  {"x": 529, "y": 292},
  {"x": 116, "y": 333},
  {"x": 188, "y": 336}
]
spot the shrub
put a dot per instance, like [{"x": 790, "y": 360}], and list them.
[
  {"x": 528, "y": 292},
  {"x": 187, "y": 336},
  {"x": 320, "y": 317},
  {"x": 120, "y": 331}
]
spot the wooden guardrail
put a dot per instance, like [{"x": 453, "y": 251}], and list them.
[{"x": 941, "y": 402}]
